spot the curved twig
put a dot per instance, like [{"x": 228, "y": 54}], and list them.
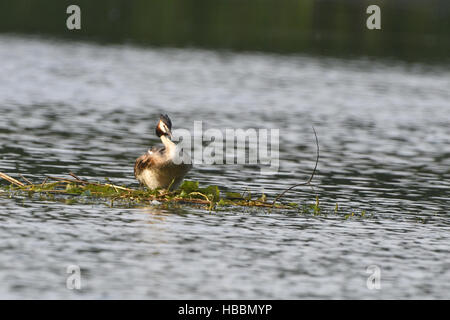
[
  {"x": 310, "y": 178},
  {"x": 200, "y": 194}
]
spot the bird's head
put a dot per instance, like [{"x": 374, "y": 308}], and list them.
[{"x": 164, "y": 126}]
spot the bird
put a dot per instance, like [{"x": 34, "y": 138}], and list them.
[{"x": 163, "y": 167}]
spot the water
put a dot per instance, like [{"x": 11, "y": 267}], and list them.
[{"x": 384, "y": 135}]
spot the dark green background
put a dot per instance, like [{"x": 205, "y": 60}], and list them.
[{"x": 411, "y": 29}]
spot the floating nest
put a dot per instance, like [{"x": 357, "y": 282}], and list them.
[
  {"x": 189, "y": 192},
  {"x": 74, "y": 190}
]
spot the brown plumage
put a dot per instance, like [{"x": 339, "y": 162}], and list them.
[
  {"x": 144, "y": 161},
  {"x": 156, "y": 168}
]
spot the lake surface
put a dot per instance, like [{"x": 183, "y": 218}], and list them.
[{"x": 384, "y": 133}]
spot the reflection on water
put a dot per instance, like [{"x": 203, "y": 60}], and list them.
[{"x": 384, "y": 135}]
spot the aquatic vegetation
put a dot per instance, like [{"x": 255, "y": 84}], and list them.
[
  {"x": 75, "y": 190},
  {"x": 188, "y": 193}
]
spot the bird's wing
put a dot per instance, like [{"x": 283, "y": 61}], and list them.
[{"x": 148, "y": 159}]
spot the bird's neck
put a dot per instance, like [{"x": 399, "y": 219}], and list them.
[{"x": 169, "y": 144}]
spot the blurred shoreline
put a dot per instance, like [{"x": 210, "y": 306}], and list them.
[{"x": 410, "y": 30}]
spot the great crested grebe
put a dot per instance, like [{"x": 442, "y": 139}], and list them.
[{"x": 163, "y": 167}]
